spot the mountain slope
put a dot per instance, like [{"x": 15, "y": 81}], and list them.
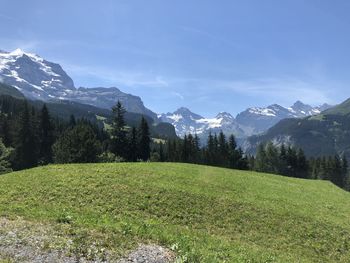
[
  {"x": 10, "y": 91},
  {"x": 39, "y": 79},
  {"x": 206, "y": 214},
  {"x": 324, "y": 134}
]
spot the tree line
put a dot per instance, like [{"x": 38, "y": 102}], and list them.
[
  {"x": 218, "y": 151},
  {"x": 292, "y": 162},
  {"x": 30, "y": 137}
]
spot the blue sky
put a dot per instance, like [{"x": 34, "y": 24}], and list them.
[{"x": 210, "y": 56}]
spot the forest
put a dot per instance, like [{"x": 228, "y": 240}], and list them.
[{"x": 32, "y": 137}]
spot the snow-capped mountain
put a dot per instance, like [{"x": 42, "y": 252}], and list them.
[
  {"x": 252, "y": 121},
  {"x": 39, "y": 79},
  {"x": 257, "y": 120},
  {"x": 186, "y": 122}
]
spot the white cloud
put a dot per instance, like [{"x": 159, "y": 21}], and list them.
[
  {"x": 179, "y": 95},
  {"x": 119, "y": 77},
  {"x": 282, "y": 90}
]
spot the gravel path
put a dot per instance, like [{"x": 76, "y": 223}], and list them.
[
  {"x": 23, "y": 241},
  {"x": 149, "y": 254}
]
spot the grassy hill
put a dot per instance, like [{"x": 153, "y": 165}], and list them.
[{"x": 206, "y": 214}]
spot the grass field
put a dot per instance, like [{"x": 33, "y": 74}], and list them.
[{"x": 205, "y": 214}]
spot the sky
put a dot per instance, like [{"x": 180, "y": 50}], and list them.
[{"x": 210, "y": 56}]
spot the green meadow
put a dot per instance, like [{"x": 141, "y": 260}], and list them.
[{"x": 204, "y": 214}]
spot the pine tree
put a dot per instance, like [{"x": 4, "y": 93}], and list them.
[
  {"x": 272, "y": 159},
  {"x": 119, "y": 135},
  {"x": 302, "y": 165},
  {"x": 232, "y": 152},
  {"x": 26, "y": 150},
  {"x": 72, "y": 121},
  {"x": 161, "y": 152},
  {"x": 77, "y": 145},
  {"x": 47, "y": 137},
  {"x": 209, "y": 152},
  {"x": 337, "y": 172},
  {"x": 144, "y": 140},
  {"x": 7, "y": 140},
  {"x": 223, "y": 150},
  {"x": 5, "y": 154},
  {"x": 261, "y": 159},
  {"x": 133, "y": 145}
]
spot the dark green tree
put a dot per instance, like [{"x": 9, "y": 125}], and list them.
[
  {"x": 77, "y": 145},
  {"x": 118, "y": 133},
  {"x": 5, "y": 154},
  {"x": 27, "y": 142},
  {"x": 46, "y": 136},
  {"x": 132, "y": 145},
  {"x": 144, "y": 141}
]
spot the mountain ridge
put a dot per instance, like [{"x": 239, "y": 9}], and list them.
[
  {"x": 324, "y": 134},
  {"x": 252, "y": 121},
  {"x": 39, "y": 79}
]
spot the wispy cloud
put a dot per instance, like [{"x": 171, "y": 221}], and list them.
[
  {"x": 119, "y": 77},
  {"x": 178, "y": 95},
  {"x": 282, "y": 90},
  {"x": 6, "y": 17}
]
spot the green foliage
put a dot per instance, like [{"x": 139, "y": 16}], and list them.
[
  {"x": 293, "y": 162},
  {"x": 118, "y": 144},
  {"x": 27, "y": 140},
  {"x": 46, "y": 136},
  {"x": 5, "y": 154},
  {"x": 217, "y": 152},
  {"x": 77, "y": 145},
  {"x": 205, "y": 214},
  {"x": 144, "y": 141}
]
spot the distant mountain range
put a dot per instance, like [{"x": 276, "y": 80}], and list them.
[
  {"x": 324, "y": 134},
  {"x": 247, "y": 123},
  {"x": 39, "y": 79}
]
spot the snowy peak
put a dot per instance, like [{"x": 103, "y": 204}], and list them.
[
  {"x": 185, "y": 121},
  {"x": 33, "y": 76},
  {"x": 225, "y": 116},
  {"x": 186, "y": 113},
  {"x": 252, "y": 121},
  {"x": 39, "y": 79}
]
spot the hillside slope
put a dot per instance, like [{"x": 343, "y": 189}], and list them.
[{"x": 206, "y": 214}]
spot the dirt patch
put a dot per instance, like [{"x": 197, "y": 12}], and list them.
[
  {"x": 149, "y": 254},
  {"x": 24, "y": 241}
]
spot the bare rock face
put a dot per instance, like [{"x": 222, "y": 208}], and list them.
[{"x": 149, "y": 254}]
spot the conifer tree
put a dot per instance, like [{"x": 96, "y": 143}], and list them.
[
  {"x": 302, "y": 165},
  {"x": 77, "y": 145},
  {"x": 261, "y": 159},
  {"x": 132, "y": 156},
  {"x": 46, "y": 136},
  {"x": 5, "y": 154},
  {"x": 144, "y": 140},
  {"x": 118, "y": 133},
  {"x": 26, "y": 150}
]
